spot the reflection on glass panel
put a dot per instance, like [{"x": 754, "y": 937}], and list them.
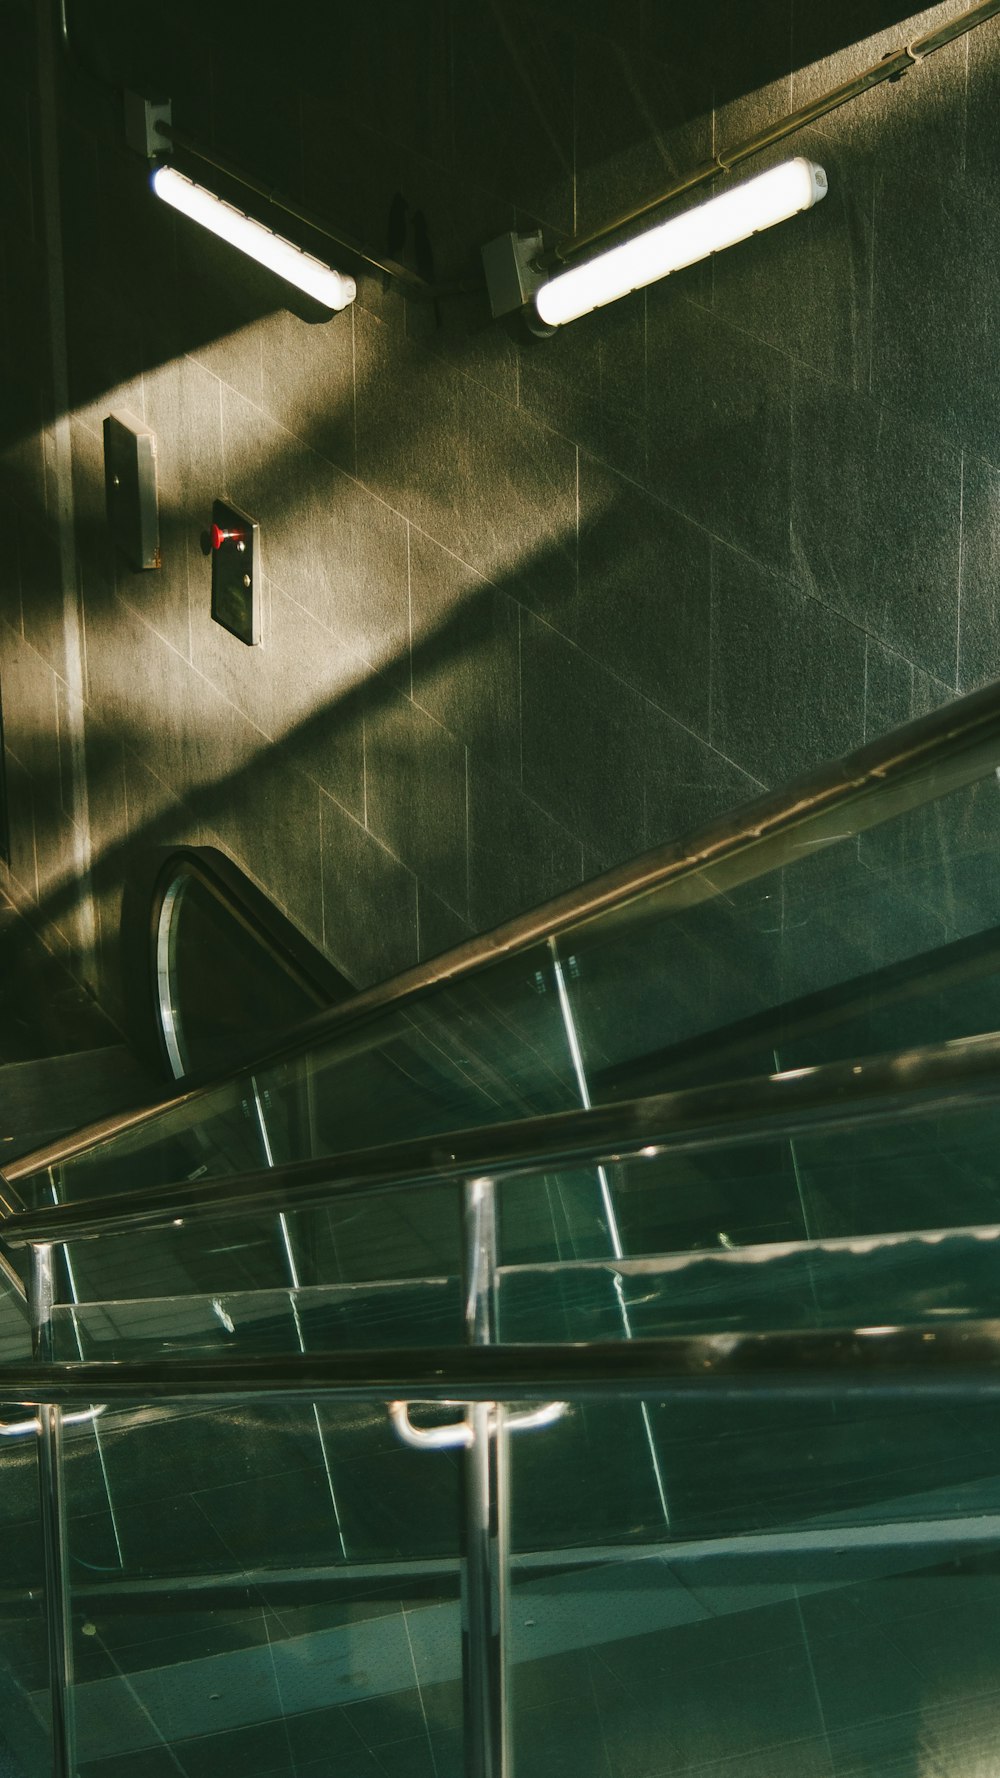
[
  {"x": 423, "y": 1312},
  {"x": 844, "y": 943},
  {"x": 906, "y": 1280},
  {"x": 210, "y": 1136},
  {"x": 236, "y": 1634},
  {"x": 389, "y": 1237},
  {"x": 25, "y": 1718},
  {"x": 826, "y": 1602},
  {"x": 792, "y": 1655}
]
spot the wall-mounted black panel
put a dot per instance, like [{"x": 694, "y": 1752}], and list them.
[
  {"x": 130, "y": 487},
  {"x": 235, "y": 572}
]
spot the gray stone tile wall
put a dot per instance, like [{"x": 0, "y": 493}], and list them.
[{"x": 529, "y": 606}]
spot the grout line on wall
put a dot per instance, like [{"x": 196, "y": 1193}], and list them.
[
  {"x": 65, "y": 512},
  {"x": 528, "y": 419},
  {"x": 961, "y": 565},
  {"x": 322, "y": 871},
  {"x": 189, "y": 599},
  {"x": 870, "y": 382},
  {"x": 354, "y": 391},
  {"x": 520, "y": 693},
  {"x": 35, "y": 893},
  {"x": 967, "y": 73},
  {"x": 409, "y": 605},
  {"x": 711, "y": 637},
  {"x": 576, "y": 586},
  {"x": 34, "y": 196},
  {"x": 10, "y": 753},
  {"x": 468, "y": 837},
  {"x": 364, "y": 771},
  {"x": 574, "y": 151},
  {"x": 645, "y": 384},
  {"x": 65, "y": 790},
  {"x": 222, "y": 431},
  {"x": 634, "y": 691}
]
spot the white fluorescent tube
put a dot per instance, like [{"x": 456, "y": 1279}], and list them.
[
  {"x": 334, "y": 289},
  {"x": 721, "y": 222}
]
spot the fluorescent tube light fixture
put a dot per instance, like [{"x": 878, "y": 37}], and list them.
[
  {"x": 334, "y": 289},
  {"x": 721, "y": 222}
]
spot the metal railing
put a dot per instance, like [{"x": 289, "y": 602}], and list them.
[
  {"x": 938, "y": 753},
  {"x": 932, "y": 1081},
  {"x": 960, "y": 1360}
]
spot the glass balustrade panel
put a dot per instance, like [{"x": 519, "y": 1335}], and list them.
[{"x": 217, "y": 1625}]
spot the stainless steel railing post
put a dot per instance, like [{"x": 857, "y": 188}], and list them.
[
  {"x": 52, "y": 1509},
  {"x": 485, "y": 1518}
]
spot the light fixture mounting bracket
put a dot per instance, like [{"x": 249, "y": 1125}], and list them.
[
  {"x": 512, "y": 272},
  {"x": 147, "y": 126}
]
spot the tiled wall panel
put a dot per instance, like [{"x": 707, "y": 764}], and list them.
[{"x": 528, "y": 605}]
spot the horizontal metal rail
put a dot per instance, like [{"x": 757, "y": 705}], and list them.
[
  {"x": 937, "y": 1080},
  {"x": 941, "y": 752},
  {"x": 957, "y": 1362}
]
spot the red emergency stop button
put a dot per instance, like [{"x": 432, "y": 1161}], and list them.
[{"x": 219, "y": 536}]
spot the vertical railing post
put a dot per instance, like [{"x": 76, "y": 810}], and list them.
[
  {"x": 486, "y": 1511},
  {"x": 52, "y": 1508}
]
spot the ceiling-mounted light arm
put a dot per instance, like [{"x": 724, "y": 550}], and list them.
[{"x": 516, "y": 278}]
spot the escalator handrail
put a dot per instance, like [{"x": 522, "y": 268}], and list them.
[
  {"x": 930, "y": 1081},
  {"x": 961, "y": 741},
  {"x": 247, "y": 906}
]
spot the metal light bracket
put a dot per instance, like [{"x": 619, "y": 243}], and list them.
[
  {"x": 512, "y": 274},
  {"x": 148, "y": 126},
  {"x": 236, "y": 572}
]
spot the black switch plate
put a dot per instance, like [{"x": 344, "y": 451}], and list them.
[
  {"x": 236, "y": 572},
  {"x": 130, "y": 488}
]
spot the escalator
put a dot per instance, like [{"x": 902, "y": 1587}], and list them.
[{"x": 720, "y": 1126}]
